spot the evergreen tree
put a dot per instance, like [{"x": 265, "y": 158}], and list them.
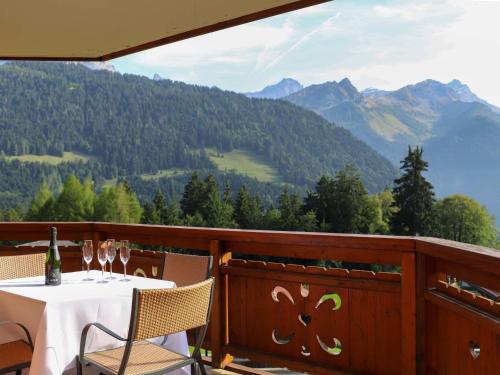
[
  {"x": 308, "y": 222},
  {"x": 321, "y": 201},
  {"x": 413, "y": 196},
  {"x": 289, "y": 207},
  {"x": 340, "y": 203},
  {"x": 149, "y": 214},
  {"x": 173, "y": 215},
  {"x": 195, "y": 220},
  {"x": 194, "y": 196},
  {"x": 272, "y": 219},
  {"x": 349, "y": 201},
  {"x": 160, "y": 209},
  {"x": 247, "y": 210},
  {"x": 216, "y": 212},
  {"x": 227, "y": 196}
]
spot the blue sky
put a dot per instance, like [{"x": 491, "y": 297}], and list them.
[{"x": 383, "y": 44}]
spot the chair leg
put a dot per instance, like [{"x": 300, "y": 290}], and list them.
[
  {"x": 201, "y": 365},
  {"x": 19, "y": 372},
  {"x": 194, "y": 369},
  {"x": 78, "y": 366}
]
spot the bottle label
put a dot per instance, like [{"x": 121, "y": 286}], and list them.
[{"x": 53, "y": 277}]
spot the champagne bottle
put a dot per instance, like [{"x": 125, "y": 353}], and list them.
[{"x": 53, "y": 261}]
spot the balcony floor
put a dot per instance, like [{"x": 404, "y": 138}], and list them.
[
  {"x": 210, "y": 371},
  {"x": 91, "y": 371}
]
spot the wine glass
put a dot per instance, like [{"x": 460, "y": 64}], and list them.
[
  {"x": 111, "y": 257},
  {"x": 124, "y": 257},
  {"x": 88, "y": 253},
  {"x": 102, "y": 257}
]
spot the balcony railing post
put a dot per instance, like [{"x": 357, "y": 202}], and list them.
[
  {"x": 219, "y": 319},
  {"x": 408, "y": 315},
  {"x": 423, "y": 268}
]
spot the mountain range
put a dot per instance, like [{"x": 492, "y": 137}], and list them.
[
  {"x": 459, "y": 131},
  {"x": 108, "y": 125},
  {"x": 285, "y": 87}
]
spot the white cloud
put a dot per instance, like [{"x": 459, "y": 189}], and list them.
[
  {"x": 325, "y": 25},
  {"x": 234, "y": 45},
  {"x": 408, "y": 12}
]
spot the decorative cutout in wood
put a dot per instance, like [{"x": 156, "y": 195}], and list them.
[
  {"x": 281, "y": 340},
  {"x": 337, "y": 301},
  {"x": 336, "y": 350},
  {"x": 304, "y": 290},
  {"x": 140, "y": 272},
  {"x": 474, "y": 349},
  {"x": 279, "y": 289},
  {"x": 305, "y": 319}
]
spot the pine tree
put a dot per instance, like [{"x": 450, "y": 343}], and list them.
[
  {"x": 340, "y": 203},
  {"x": 321, "y": 201},
  {"x": 160, "y": 209},
  {"x": 289, "y": 206},
  {"x": 308, "y": 222},
  {"x": 227, "y": 196},
  {"x": 194, "y": 196},
  {"x": 247, "y": 210},
  {"x": 173, "y": 216},
  {"x": 149, "y": 214},
  {"x": 216, "y": 212},
  {"x": 349, "y": 201},
  {"x": 413, "y": 196}
]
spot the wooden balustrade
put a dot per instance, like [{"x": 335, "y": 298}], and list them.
[{"x": 326, "y": 321}]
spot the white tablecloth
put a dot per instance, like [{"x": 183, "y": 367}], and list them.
[{"x": 56, "y": 315}]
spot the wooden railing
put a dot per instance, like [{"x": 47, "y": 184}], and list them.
[{"x": 325, "y": 321}]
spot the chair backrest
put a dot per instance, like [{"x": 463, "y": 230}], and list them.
[
  {"x": 160, "y": 312},
  {"x": 18, "y": 266},
  {"x": 186, "y": 269}
]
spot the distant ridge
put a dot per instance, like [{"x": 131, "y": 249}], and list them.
[
  {"x": 279, "y": 90},
  {"x": 99, "y": 65},
  {"x": 466, "y": 95},
  {"x": 459, "y": 131}
]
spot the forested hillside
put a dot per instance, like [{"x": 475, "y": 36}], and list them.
[{"x": 127, "y": 125}]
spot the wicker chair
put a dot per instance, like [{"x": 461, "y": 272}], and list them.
[
  {"x": 16, "y": 355},
  {"x": 186, "y": 269},
  {"x": 17, "y": 266},
  {"x": 155, "y": 312}
]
